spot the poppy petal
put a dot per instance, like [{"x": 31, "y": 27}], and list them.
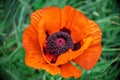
[
  {"x": 35, "y": 18},
  {"x": 75, "y": 21},
  {"x": 94, "y": 31},
  {"x": 64, "y": 58},
  {"x": 50, "y": 16},
  {"x": 42, "y": 40},
  {"x": 93, "y": 35},
  {"x": 79, "y": 24},
  {"x": 51, "y": 69},
  {"x": 44, "y": 24},
  {"x": 67, "y": 16},
  {"x": 89, "y": 58},
  {"x": 69, "y": 70},
  {"x": 54, "y": 13},
  {"x": 31, "y": 45},
  {"x": 34, "y": 57}
]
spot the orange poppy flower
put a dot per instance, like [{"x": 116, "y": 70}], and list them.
[{"x": 56, "y": 37}]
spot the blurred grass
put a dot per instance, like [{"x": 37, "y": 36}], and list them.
[{"x": 14, "y": 17}]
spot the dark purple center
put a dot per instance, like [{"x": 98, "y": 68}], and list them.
[{"x": 59, "y": 43}]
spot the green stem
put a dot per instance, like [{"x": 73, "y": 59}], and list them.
[{"x": 111, "y": 49}]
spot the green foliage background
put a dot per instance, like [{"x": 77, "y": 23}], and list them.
[{"x": 15, "y": 16}]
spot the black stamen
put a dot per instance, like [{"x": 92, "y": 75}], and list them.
[
  {"x": 47, "y": 34},
  {"x": 59, "y": 65},
  {"x": 44, "y": 50},
  {"x": 53, "y": 61},
  {"x": 65, "y": 30},
  {"x": 76, "y": 46}
]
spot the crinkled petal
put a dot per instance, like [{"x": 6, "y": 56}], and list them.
[
  {"x": 75, "y": 21},
  {"x": 51, "y": 17},
  {"x": 69, "y": 70},
  {"x": 34, "y": 57},
  {"x": 30, "y": 42},
  {"x": 89, "y": 58},
  {"x": 42, "y": 40},
  {"x": 69, "y": 55},
  {"x": 67, "y": 17},
  {"x": 46, "y": 20},
  {"x": 52, "y": 69},
  {"x": 94, "y": 31},
  {"x": 93, "y": 36}
]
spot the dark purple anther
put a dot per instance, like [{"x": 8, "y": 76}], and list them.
[{"x": 59, "y": 43}]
